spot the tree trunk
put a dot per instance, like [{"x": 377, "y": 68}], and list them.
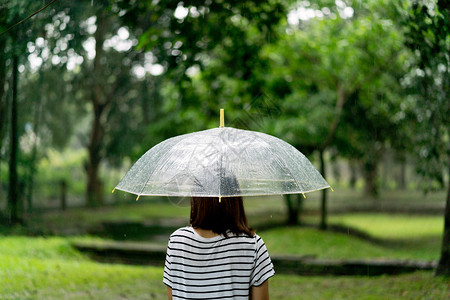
[
  {"x": 93, "y": 193},
  {"x": 369, "y": 169},
  {"x": 336, "y": 172},
  {"x": 32, "y": 164},
  {"x": 3, "y": 106},
  {"x": 340, "y": 102},
  {"x": 443, "y": 268},
  {"x": 353, "y": 175},
  {"x": 30, "y": 184},
  {"x": 63, "y": 199},
  {"x": 323, "y": 218},
  {"x": 295, "y": 206},
  {"x": 402, "y": 179},
  {"x": 99, "y": 102},
  {"x": 385, "y": 169},
  {"x": 13, "y": 197}
]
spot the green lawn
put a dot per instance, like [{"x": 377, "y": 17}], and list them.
[
  {"x": 79, "y": 220},
  {"x": 408, "y": 236},
  {"x": 419, "y": 285},
  {"x": 152, "y": 208},
  {"x": 404, "y": 236},
  {"x": 48, "y": 268},
  {"x": 392, "y": 226},
  {"x": 330, "y": 245}
]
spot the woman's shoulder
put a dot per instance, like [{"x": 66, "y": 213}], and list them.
[
  {"x": 247, "y": 238},
  {"x": 182, "y": 232},
  {"x": 258, "y": 240}
]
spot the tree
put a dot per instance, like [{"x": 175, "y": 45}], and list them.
[
  {"x": 324, "y": 62},
  {"x": 13, "y": 41},
  {"x": 211, "y": 53},
  {"x": 102, "y": 77},
  {"x": 427, "y": 26},
  {"x": 53, "y": 42},
  {"x": 13, "y": 197},
  {"x": 85, "y": 67},
  {"x": 3, "y": 58}
]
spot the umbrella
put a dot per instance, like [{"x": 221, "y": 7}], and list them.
[{"x": 222, "y": 162}]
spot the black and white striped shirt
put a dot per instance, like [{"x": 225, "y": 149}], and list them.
[{"x": 215, "y": 268}]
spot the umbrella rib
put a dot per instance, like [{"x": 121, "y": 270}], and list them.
[
  {"x": 257, "y": 136},
  {"x": 220, "y": 166},
  {"x": 244, "y": 195},
  {"x": 275, "y": 180},
  {"x": 135, "y": 163},
  {"x": 151, "y": 174},
  {"x": 279, "y": 161}
]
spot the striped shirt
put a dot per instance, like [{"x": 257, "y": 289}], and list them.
[{"x": 215, "y": 268}]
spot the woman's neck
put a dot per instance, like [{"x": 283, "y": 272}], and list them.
[{"x": 205, "y": 233}]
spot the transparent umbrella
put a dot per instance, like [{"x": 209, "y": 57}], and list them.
[{"x": 222, "y": 162}]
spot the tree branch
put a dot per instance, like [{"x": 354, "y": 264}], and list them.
[
  {"x": 23, "y": 20},
  {"x": 341, "y": 99}
]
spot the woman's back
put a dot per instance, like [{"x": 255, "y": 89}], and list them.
[{"x": 215, "y": 268}]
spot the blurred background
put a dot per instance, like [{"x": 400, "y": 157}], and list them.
[{"x": 359, "y": 87}]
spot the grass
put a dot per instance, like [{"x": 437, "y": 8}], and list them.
[
  {"x": 393, "y": 226},
  {"x": 419, "y": 285},
  {"x": 408, "y": 236},
  {"x": 78, "y": 220},
  {"x": 48, "y": 268},
  {"x": 343, "y": 198},
  {"x": 401, "y": 237},
  {"x": 330, "y": 245}
]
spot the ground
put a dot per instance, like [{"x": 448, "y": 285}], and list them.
[{"x": 47, "y": 267}]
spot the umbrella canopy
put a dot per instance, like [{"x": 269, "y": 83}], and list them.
[{"x": 222, "y": 162}]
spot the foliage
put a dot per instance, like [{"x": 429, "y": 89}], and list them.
[
  {"x": 56, "y": 166},
  {"x": 210, "y": 51},
  {"x": 427, "y": 29},
  {"x": 427, "y": 25},
  {"x": 70, "y": 74},
  {"x": 269, "y": 75},
  {"x": 329, "y": 66}
]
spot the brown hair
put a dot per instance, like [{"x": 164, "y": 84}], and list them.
[{"x": 227, "y": 215}]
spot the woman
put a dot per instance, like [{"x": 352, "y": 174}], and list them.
[{"x": 218, "y": 256}]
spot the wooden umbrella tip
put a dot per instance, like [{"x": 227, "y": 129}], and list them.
[{"x": 222, "y": 117}]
